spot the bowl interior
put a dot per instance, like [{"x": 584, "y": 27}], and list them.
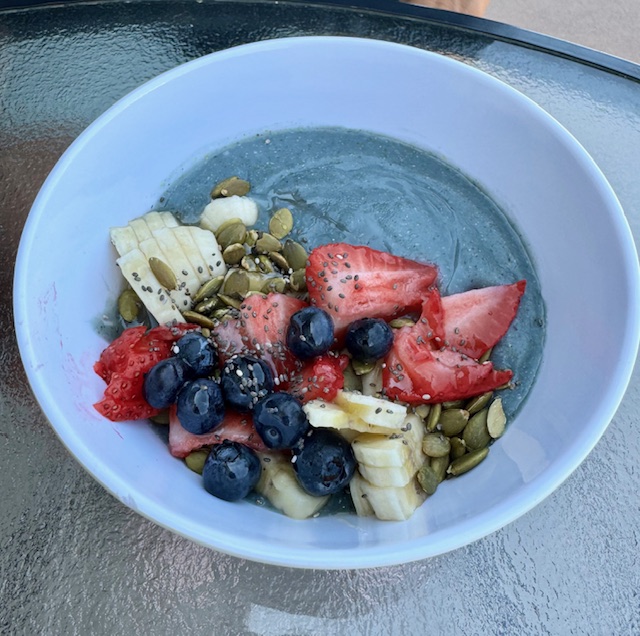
[{"x": 529, "y": 164}]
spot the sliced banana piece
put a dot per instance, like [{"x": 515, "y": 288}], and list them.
[
  {"x": 278, "y": 483},
  {"x": 323, "y": 414},
  {"x": 374, "y": 411},
  {"x": 124, "y": 239},
  {"x": 390, "y": 503},
  {"x": 359, "y": 497},
  {"x": 209, "y": 250},
  {"x": 141, "y": 229},
  {"x": 225, "y": 208},
  {"x": 134, "y": 266},
  {"x": 189, "y": 247},
  {"x": 177, "y": 259},
  {"x": 383, "y": 451},
  {"x": 154, "y": 220},
  {"x": 169, "y": 219}
]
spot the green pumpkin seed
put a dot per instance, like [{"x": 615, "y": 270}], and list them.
[
  {"x": 295, "y": 254},
  {"x": 506, "y": 385},
  {"x": 496, "y": 419},
  {"x": 267, "y": 243},
  {"x": 236, "y": 284},
  {"x": 249, "y": 264},
  {"x": 422, "y": 411},
  {"x": 163, "y": 273},
  {"x": 230, "y": 187},
  {"x": 298, "y": 280},
  {"x": 479, "y": 402},
  {"x": 398, "y": 323},
  {"x": 435, "y": 445},
  {"x": 233, "y": 254},
  {"x": 161, "y": 418},
  {"x": 206, "y": 307},
  {"x": 352, "y": 382},
  {"x": 465, "y": 463},
  {"x": 205, "y": 332},
  {"x": 458, "y": 448},
  {"x": 232, "y": 234},
  {"x": 252, "y": 237},
  {"x": 453, "y": 421},
  {"x": 198, "y": 319},
  {"x": 428, "y": 479},
  {"x": 455, "y": 404},
  {"x": 129, "y": 305},
  {"x": 254, "y": 292},
  {"x": 439, "y": 466},
  {"x": 485, "y": 356},
  {"x": 210, "y": 288},
  {"x": 475, "y": 434},
  {"x": 221, "y": 314},
  {"x": 265, "y": 264},
  {"x": 223, "y": 226},
  {"x": 360, "y": 368},
  {"x": 274, "y": 284},
  {"x": 434, "y": 417},
  {"x": 281, "y": 223},
  {"x": 230, "y": 301},
  {"x": 279, "y": 261},
  {"x": 195, "y": 460}
]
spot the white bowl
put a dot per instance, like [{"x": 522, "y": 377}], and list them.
[{"x": 549, "y": 186}]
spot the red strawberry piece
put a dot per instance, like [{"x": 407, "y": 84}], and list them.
[
  {"x": 476, "y": 320},
  {"x": 122, "y": 366},
  {"x": 321, "y": 377},
  {"x": 236, "y": 427},
  {"x": 352, "y": 282},
  {"x": 417, "y": 374},
  {"x": 261, "y": 331}
]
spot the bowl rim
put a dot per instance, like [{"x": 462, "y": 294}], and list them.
[{"x": 479, "y": 526}]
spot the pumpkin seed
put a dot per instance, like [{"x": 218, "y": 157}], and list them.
[
  {"x": 352, "y": 382},
  {"x": 161, "y": 418},
  {"x": 232, "y": 234},
  {"x": 295, "y": 254},
  {"x": 458, "y": 448},
  {"x": 265, "y": 264},
  {"x": 205, "y": 332},
  {"x": 467, "y": 462},
  {"x": 208, "y": 289},
  {"x": 496, "y": 419},
  {"x": 198, "y": 319},
  {"x": 360, "y": 368},
  {"x": 475, "y": 434},
  {"x": 428, "y": 479},
  {"x": 422, "y": 411},
  {"x": 267, "y": 243},
  {"x": 230, "y": 301},
  {"x": 129, "y": 305},
  {"x": 485, "y": 356},
  {"x": 195, "y": 460},
  {"x": 398, "y": 323},
  {"x": 236, "y": 284},
  {"x": 279, "y": 261},
  {"x": 455, "y": 404},
  {"x": 434, "y": 417},
  {"x": 163, "y": 273},
  {"x": 207, "y": 306},
  {"x": 248, "y": 263},
  {"x": 453, "y": 421},
  {"x": 231, "y": 186},
  {"x": 281, "y": 223},
  {"x": 252, "y": 237},
  {"x": 479, "y": 402},
  {"x": 298, "y": 280},
  {"x": 439, "y": 466},
  {"x": 233, "y": 254},
  {"x": 224, "y": 225},
  {"x": 253, "y": 292},
  {"x": 506, "y": 385},
  {"x": 436, "y": 445},
  {"x": 221, "y": 314},
  {"x": 275, "y": 284}
]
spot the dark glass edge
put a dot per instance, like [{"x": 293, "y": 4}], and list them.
[{"x": 497, "y": 30}]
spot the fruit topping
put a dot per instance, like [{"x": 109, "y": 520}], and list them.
[
  {"x": 244, "y": 381},
  {"x": 164, "y": 380},
  {"x": 198, "y": 352},
  {"x": 200, "y": 406},
  {"x": 280, "y": 420},
  {"x": 231, "y": 471},
  {"x": 310, "y": 333},
  {"x": 369, "y": 339}
]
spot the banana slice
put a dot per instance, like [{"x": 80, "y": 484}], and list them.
[
  {"x": 169, "y": 219},
  {"x": 374, "y": 411},
  {"x": 141, "y": 229},
  {"x": 154, "y": 221},
  {"x": 225, "y": 208},
  {"x": 135, "y": 268},
  {"x": 209, "y": 250},
  {"x": 278, "y": 483},
  {"x": 383, "y": 451},
  {"x": 390, "y": 503},
  {"x": 388, "y": 476},
  {"x": 323, "y": 414},
  {"x": 177, "y": 259},
  {"x": 359, "y": 497},
  {"x": 124, "y": 239},
  {"x": 183, "y": 234}
]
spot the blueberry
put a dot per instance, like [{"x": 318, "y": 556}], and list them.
[
  {"x": 231, "y": 471},
  {"x": 325, "y": 462},
  {"x": 369, "y": 339},
  {"x": 198, "y": 352},
  {"x": 310, "y": 333},
  {"x": 200, "y": 406},
  {"x": 280, "y": 420},
  {"x": 244, "y": 381},
  {"x": 163, "y": 381}
]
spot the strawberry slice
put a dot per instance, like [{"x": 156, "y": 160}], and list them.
[
  {"x": 261, "y": 331},
  {"x": 321, "y": 377},
  {"x": 476, "y": 320},
  {"x": 236, "y": 427},
  {"x": 352, "y": 282}
]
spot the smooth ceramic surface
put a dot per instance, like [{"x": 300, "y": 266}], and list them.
[{"x": 527, "y": 162}]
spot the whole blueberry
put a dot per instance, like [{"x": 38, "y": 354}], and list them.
[
  {"x": 280, "y": 420},
  {"x": 369, "y": 339},
  {"x": 310, "y": 333},
  {"x": 198, "y": 352},
  {"x": 231, "y": 471},
  {"x": 163, "y": 381},
  {"x": 324, "y": 462},
  {"x": 200, "y": 406},
  {"x": 244, "y": 381}
]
